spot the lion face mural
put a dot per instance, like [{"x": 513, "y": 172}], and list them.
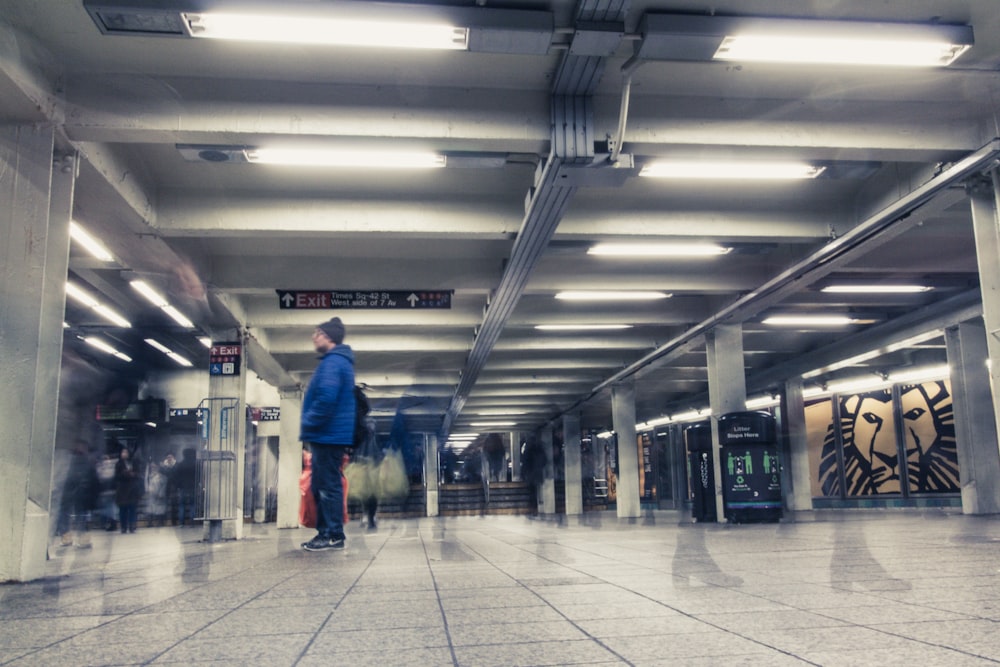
[{"x": 872, "y": 463}]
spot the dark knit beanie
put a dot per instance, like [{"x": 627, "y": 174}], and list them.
[{"x": 334, "y": 330}]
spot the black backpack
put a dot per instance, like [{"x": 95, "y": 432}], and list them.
[{"x": 361, "y": 409}]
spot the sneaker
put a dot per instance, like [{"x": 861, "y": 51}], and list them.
[{"x": 318, "y": 543}]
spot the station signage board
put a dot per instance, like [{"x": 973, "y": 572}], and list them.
[
  {"x": 364, "y": 299},
  {"x": 224, "y": 359}
]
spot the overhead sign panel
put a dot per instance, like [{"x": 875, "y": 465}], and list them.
[{"x": 364, "y": 300}]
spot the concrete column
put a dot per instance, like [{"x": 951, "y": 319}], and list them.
[
  {"x": 573, "y": 461},
  {"x": 623, "y": 417},
  {"x": 289, "y": 457},
  {"x": 515, "y": 456},
  {"x": 727, "y": 389},
  {"x": 547, "y": 493},
  {"x": 35, "y": 206},
  {"x": 431, "y": 474},
  {"x": 986, "y": 224},
  {"x": 796, "y": 478},
  {"x": 975, "y": 424},
  {"x": 224, "y": 479}
]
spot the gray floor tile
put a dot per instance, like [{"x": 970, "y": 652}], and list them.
[
  {"x": 534, "y": 654},
  {"x": 383, "y": 657}
]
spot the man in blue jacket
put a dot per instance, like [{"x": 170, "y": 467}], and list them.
[{"x": 328, "y": 429}]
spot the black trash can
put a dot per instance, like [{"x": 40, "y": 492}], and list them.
[
  {"x": 751, "y": 468},
  {"x": 701, "y": 472}
]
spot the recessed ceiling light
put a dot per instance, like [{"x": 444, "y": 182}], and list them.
[
  {"x": 608, "y": 295},
  {"x": 80, "y": 295},
  {"x": 731, "y": 170},
  {"x": 105, "y": 347},
  {"x": 659, "y": 249}
]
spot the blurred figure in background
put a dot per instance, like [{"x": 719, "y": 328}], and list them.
[
  {"x": 156, "y": 496},
  {"x": 106, "y": 501},
  {"x": 128, "y": 491},
  {"x": 79, "y": 498},
  {"x": 184, "y": 481}
]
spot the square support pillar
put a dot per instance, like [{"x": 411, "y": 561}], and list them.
[
  {"x": 289, "y": 457},
  {"x": 623, "y": 418},
  {"x": 573, "y": 463},
  {"x": 795, "y": 474},
  {"x": 36, "y": 202},
  {"x": 432, "y": 492},
  {"x": 975, "y": 424},
  {"x": 727, "y": 389},
  {"x": 547, "y": 492}
]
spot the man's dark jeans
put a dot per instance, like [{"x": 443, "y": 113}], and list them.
[{"x": 328, "y": 490}]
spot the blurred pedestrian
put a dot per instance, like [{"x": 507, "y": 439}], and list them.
[
  {"x": 185, "y": 484},
  {"x": 156, "y": 495},
  {"x": 106, "y": 500},
  {"x": 79, "y": 498},
  {"x": 128, "y": 491}
]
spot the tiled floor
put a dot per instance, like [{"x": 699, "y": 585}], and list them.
[{"x": 879, "y": 588}]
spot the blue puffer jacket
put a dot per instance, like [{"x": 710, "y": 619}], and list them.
[{"x": 328, "y": 406}]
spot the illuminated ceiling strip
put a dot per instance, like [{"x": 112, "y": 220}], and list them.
[
  {"x": 89, "y": 243},
  {"x": 731, "y": 170},
  {"x": 105, "y": 347},
  {"x": 352, "y": 159},
  {"x": 82, "y": 296},
  {"x": 658, "y": 250},
  {"x": 327, "y": 31},
  {"x": 585, "y": 295}
]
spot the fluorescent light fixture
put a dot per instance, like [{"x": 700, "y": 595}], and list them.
[
  {"x": 80, "y": 295},
  {"x": 921, "y": 374},
  {"x": 581, "y": 327},
  {"x": 178, "y": 317},
  {"x": 491, "y": 424},
  {"x": 819, "y": 49},
  {"x": 761, "y": 402},
  {"x": 608, "y": 295},
  {"x": 876, "y": 289},
  {"x": 499, "y": 413},
  {"x": 280, "y": 27},
  {"x": 157, "y": 300},
  {"x": 89, "y": 243},
  {"x": 731, "y": 170},
  {"x": 809, "y": 320},
  {"x": 167, "y": 351},
  {"x": 606, "y": 434},
  {"x": 692, "y": 415},
  {"x": 151, "y": 424},
  {"x": 809, "y": 41},
  {"x": 653, "y": 423},
  {"x": 65, "y": 325},
  {"x": 352, "y": 159},
  {"x": 111, "y": 316},
  {"x": 659, "y": 249},
  {"x": 463, "y": 436},
  {"x": 106, "y": 348},
  {"x": 813, "y": 392},
  {"x": 151, "y": 295},
  {"x": 856, "y": 384},
  {"x": 206, "y": 341}
]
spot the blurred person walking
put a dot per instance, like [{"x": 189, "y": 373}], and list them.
[
  {"x": 128, "y": 491},
  {"x": 81, "y": 491}
]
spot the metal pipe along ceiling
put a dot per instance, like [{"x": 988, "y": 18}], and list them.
[{"x": 865, "y": 236}]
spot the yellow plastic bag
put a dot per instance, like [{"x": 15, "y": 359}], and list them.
[
  {"x": 362, "y": 480},
  {"x": 393, "y": 484}
]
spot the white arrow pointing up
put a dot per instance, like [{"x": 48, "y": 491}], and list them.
[
  {"x": 288, "y": 299},
  {"x": 413, "y": 298}
]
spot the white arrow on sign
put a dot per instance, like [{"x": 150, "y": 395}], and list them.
[
  {"x": 413, "y": 298},
  {"x": 288, "y": 299}
]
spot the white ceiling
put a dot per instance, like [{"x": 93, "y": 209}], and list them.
[{"x": 221, "y": 238}]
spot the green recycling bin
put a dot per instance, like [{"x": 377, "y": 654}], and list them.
[{"x": 751, "y": 467}]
